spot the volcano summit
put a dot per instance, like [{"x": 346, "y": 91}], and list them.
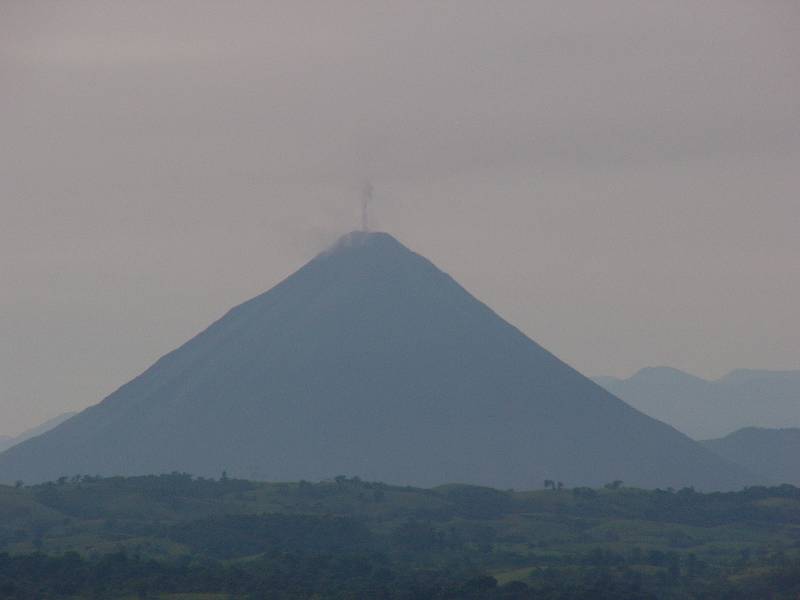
[{"x": 369, "y": 361}]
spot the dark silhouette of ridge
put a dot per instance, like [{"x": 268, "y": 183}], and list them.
[{"x": 369, "y": 361}]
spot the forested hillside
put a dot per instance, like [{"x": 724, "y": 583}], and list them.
[{"x": 161, "y": 536}]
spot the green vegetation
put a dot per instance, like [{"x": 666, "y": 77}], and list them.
[{"x": 179, "y": 537}]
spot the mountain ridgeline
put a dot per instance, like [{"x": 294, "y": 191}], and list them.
[
  {"x": 369, "y": 361},
  {"x": 709, "y": 409}
]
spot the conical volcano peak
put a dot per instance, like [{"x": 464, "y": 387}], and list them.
[
  {"x": 367, "y": 239},
  {"x": 358, "y": 250},
  {"x": 369, "y": 361}
]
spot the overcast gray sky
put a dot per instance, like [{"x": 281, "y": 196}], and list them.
[{"x": 619, "y": 179}]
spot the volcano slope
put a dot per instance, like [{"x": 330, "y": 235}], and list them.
[{"x": 371, "y": 362}]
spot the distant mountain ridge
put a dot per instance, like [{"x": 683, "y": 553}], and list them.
[
  {"x": 775, "y": 453},
  {"x": 706, "y": 409},
  {"x": 755, "y": 376},
  {"x": 7, "y": 441},
  {"x": 370, "y": 361}
]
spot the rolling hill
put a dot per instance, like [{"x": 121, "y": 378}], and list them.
[{"x": 773, "y": 453}]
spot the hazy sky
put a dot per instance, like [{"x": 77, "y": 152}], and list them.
[{"x": 619, "y": 179}]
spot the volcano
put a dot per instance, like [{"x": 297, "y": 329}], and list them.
[{"x": 371, "y": 362}]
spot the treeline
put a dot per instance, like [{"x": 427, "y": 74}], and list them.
[{"x": 91, "y": 497}]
